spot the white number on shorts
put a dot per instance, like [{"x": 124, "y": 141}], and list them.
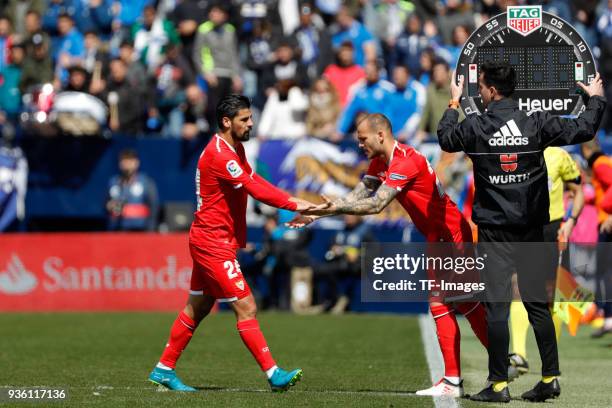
[{"x": 230, "y": 266}]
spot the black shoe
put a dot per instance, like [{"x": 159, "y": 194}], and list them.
[
  {"x": 542, "y": 391},
  {"x": 489, "y": 395},
  {"x": 519, "y": 362}
]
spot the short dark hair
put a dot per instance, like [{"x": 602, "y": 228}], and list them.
[
  {"x": 378, "y": 121},
  {"x": 33, "y": 11},
  {"x": 128, "y": 154},
  {"x": 230, "y": 105},
  {"x": 219, "y": 6},
  {"x": 440, "y": 61},
  {"x": 118, "y": 59},
  {"x": 500, "y": 75}
]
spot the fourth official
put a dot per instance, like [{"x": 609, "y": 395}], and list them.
[{"x": 511, "y": 205}]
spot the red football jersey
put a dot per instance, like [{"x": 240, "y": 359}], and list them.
[
  {"x": 220, "y": 219},
  {"x": 420, "y": 192}
]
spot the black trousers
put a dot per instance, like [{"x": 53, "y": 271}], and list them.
[
  {"x": 603, "y": 288},
  {"x": 508, "y": 250}
]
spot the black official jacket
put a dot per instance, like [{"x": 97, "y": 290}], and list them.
[{"x": 506, "y": 147}]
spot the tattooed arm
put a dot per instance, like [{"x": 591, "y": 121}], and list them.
[
  {"x": 363, "y": 189},
  {"x": 368, "y": 205},
  {"x": 362, "y": 206}
]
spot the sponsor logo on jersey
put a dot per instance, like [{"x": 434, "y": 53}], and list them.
[
  {"x": 524, "y": 19},
  {"x": 508, "y": 135},
  {"x": 395, "y": 176},
  {"x": 508, "y": 178},
  {"x": 233, "y": 168},
  {"x": 508, "y": 162}
]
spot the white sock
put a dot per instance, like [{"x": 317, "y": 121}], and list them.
[
  {"x": 270, "y": 371},
  {"x": 163, "y": 366},
  {"x": 608, "y": 322},
  {"x": 453, "y": 380}
]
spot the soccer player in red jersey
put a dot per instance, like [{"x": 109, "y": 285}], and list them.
[
  {"x": 224, "y": 179},
  {"x": 400, "y": 172}
]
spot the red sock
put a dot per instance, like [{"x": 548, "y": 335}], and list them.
[
  {"x": 253, "y": 338},
  {"x": 476, "y": 314},
  {"x": 180, "y": 334},
  {"x": 449, "y": 338}
]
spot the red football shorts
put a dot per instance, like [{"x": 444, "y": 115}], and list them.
[
  {"x": 450, "y": 244},
  {"x": 217, "y": 273}
]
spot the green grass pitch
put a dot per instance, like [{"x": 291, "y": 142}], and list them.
[{"x": 103, "y": 359}]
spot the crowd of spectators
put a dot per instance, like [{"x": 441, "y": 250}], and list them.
[{"x": 309, "y": 66}]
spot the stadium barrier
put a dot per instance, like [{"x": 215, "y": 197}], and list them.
[{"x": 94, "y": 272}]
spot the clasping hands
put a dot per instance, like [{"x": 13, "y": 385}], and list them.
[{"x": 308, "y": 214}]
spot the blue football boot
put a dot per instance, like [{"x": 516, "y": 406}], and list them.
[
  {"x": 168, "y": 379},
  {"x": 281, "y": 380}
]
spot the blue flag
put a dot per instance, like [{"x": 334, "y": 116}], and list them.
[{"x": 13, "y": 181}]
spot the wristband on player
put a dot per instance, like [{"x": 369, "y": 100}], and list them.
[
  {"x": 453, "y": 104},
  {"x": 573, "y": 217}
]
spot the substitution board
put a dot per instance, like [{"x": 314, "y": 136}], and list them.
[{"x": 548, "y": 54}]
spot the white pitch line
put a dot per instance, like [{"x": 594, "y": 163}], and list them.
[
  {"x": 434, "y": 358},
  {"x": 214, "y": 388}
]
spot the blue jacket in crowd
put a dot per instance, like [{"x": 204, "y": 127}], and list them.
[
  {"x": 136, "y": 204},
  {"x": 369, "y": 98},
  {"x": 406, "y": 107}
]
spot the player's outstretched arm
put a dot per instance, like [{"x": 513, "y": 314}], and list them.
[
  {"x": 301, "y": 220},
  {"x": 302, "y": 205},
  {"x": 363, "y": 189},
  {"x": 365, "y": 206},
  {"x": 273, "y": 196}
]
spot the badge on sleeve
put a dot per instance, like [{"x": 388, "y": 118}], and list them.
[
  {"x": 395, "y": 176},
  {"x": 233, "y": 168}
]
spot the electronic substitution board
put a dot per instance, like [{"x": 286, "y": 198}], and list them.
[{"x": 548, "y": 54}]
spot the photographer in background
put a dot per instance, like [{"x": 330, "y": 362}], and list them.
[{"x": 340, "y": 274}]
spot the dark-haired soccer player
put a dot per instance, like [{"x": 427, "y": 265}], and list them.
[
  {"x": 224, "y": 180},
  {"x": 400, "y": 172},
  {"x": 511, "y": 205}
]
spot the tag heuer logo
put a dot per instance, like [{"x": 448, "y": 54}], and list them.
[{"x": 524, "y": 19}]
